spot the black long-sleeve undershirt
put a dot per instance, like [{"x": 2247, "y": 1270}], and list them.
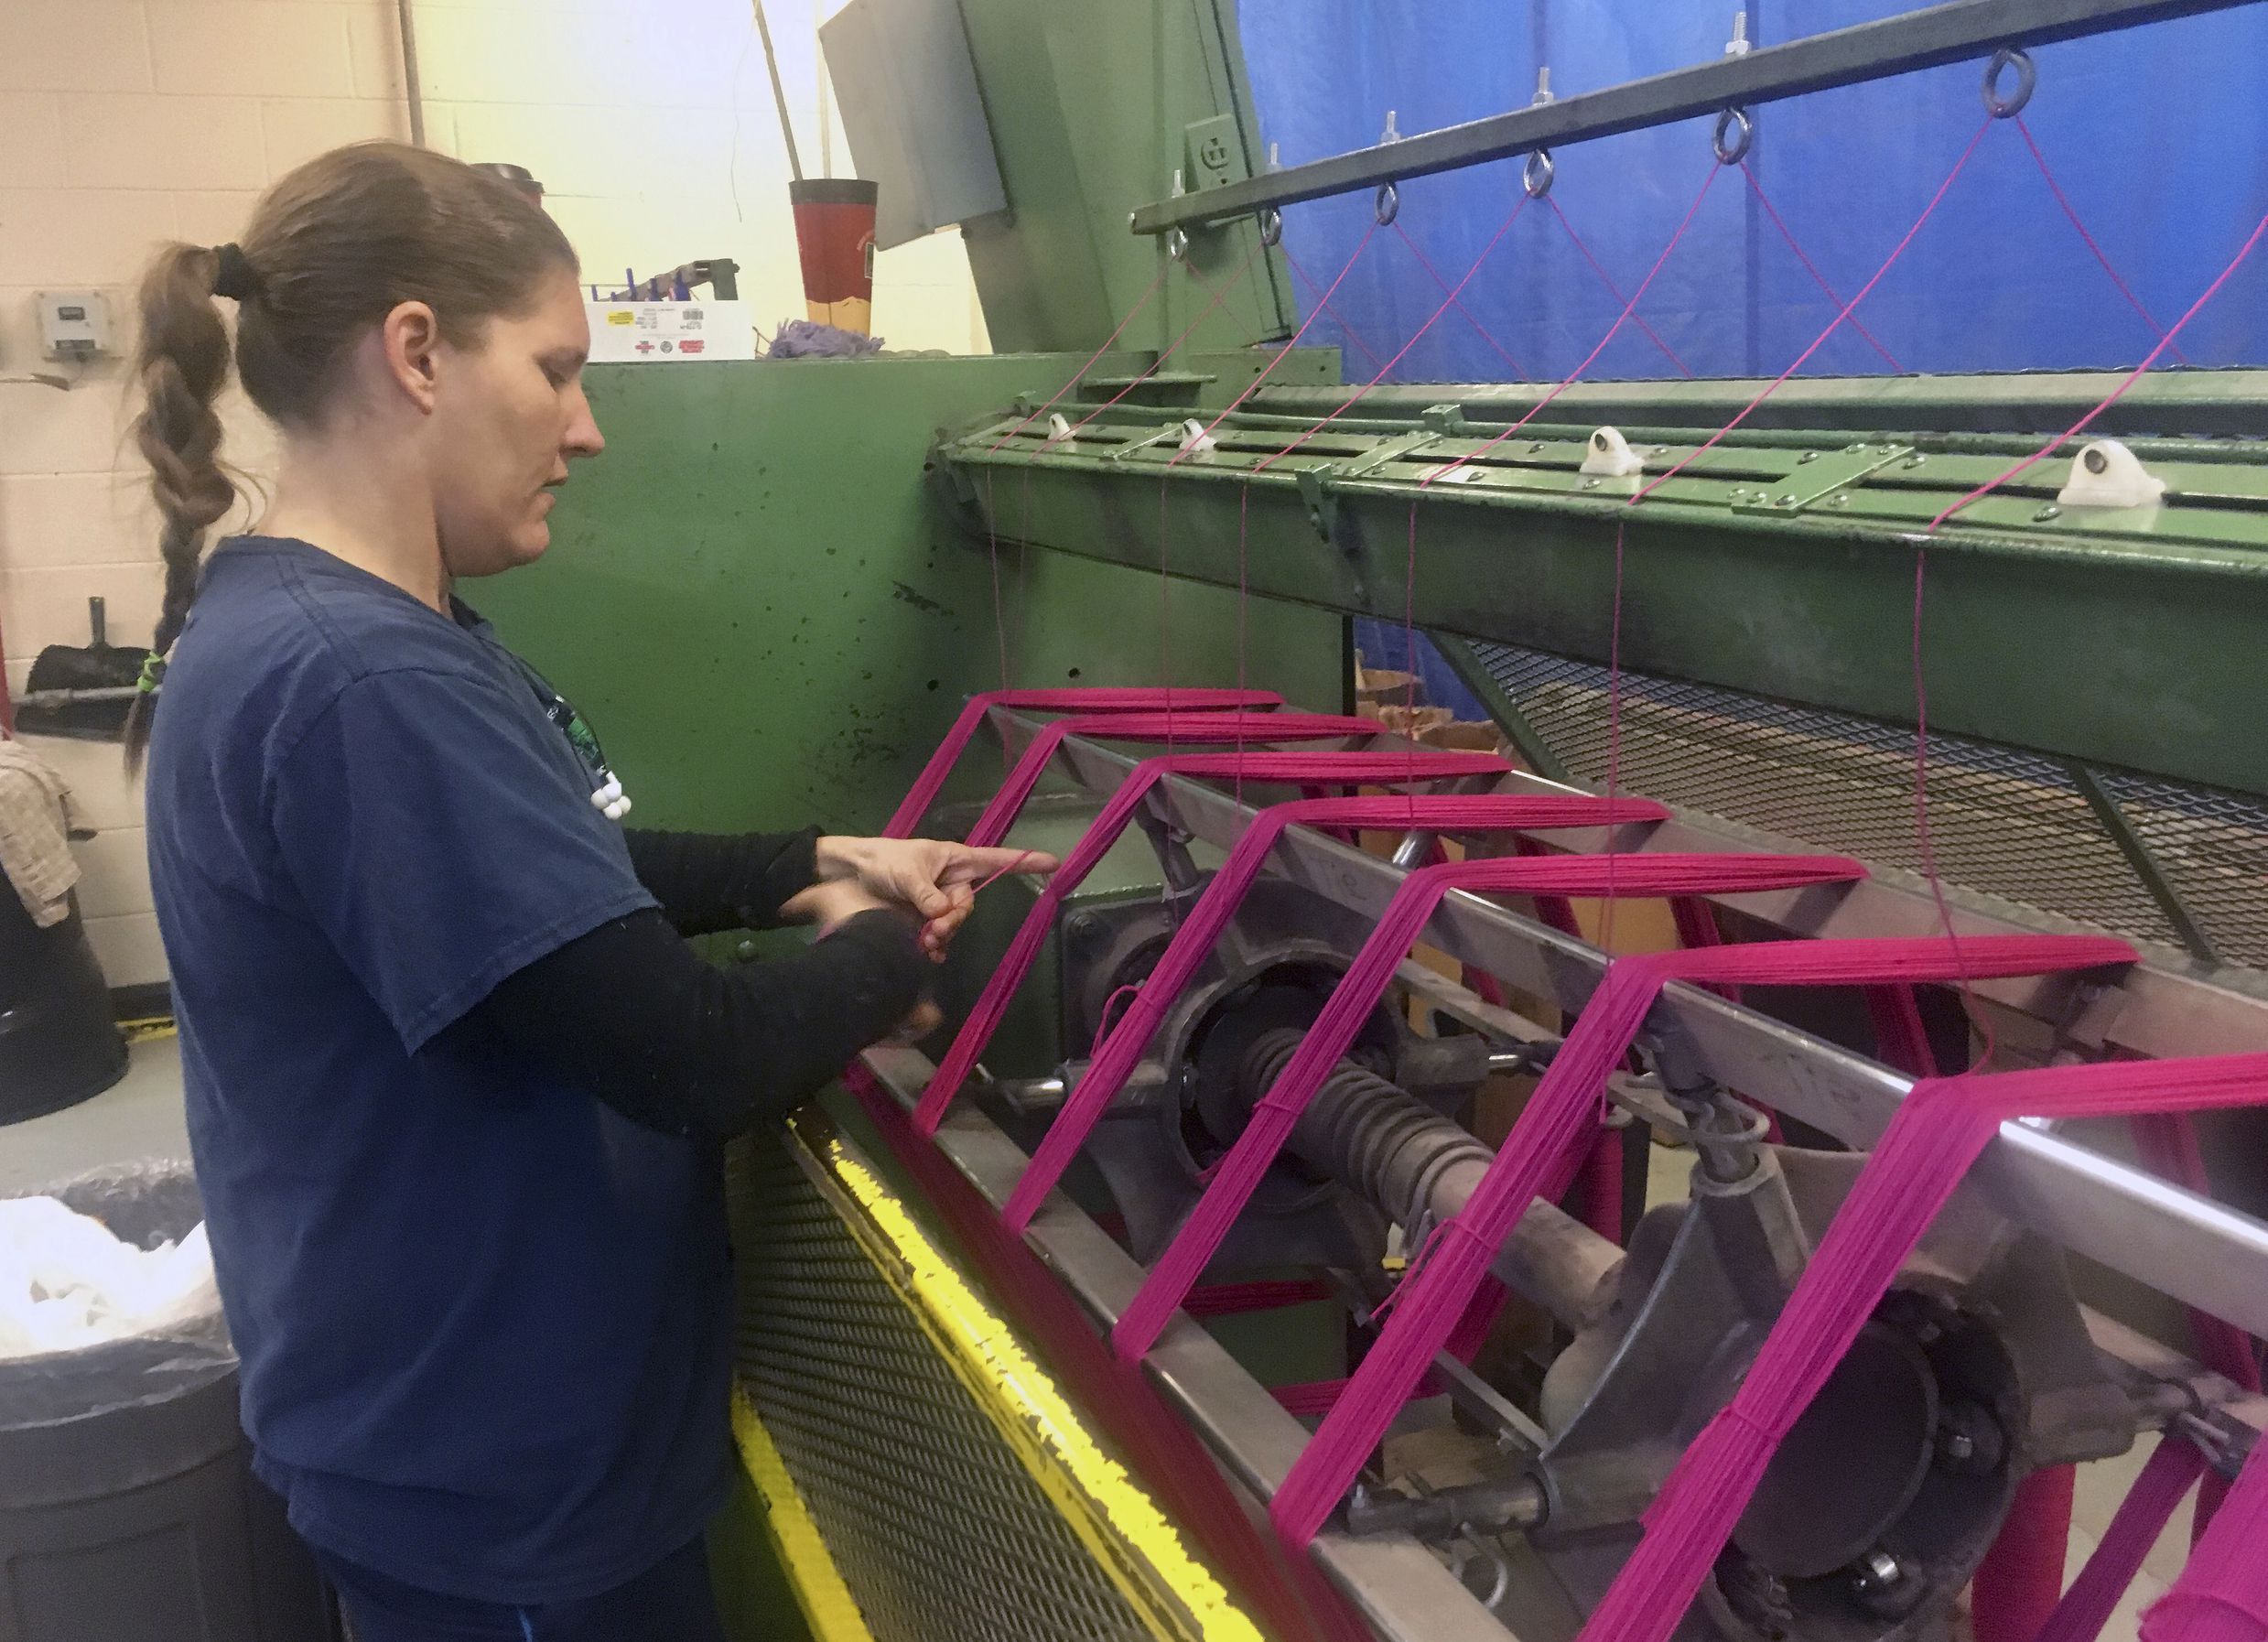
[
  {"x": 708, "y": 882},
  {"x": 631, "y": 1014}
]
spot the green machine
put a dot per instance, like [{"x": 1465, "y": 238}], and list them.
[{"x": 781, "y": 586}]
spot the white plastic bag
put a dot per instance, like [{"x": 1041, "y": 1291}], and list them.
[{"x": 67, "y": 1282}]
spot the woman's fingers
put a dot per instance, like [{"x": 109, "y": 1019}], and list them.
[{"x": 974, "y": 866}]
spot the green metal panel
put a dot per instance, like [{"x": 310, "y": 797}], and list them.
[
  {"x": 1092, "y": 108},
  {"x": 2120, "y": 637},
  {"x": 756, "y": 598}
]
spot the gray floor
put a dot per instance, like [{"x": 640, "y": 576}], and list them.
[{"x": 136, "y": 1121}]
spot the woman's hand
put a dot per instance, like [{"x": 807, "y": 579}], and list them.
[
  {"x": 831, "y": 901},
  {"x": 934, "y": 879}
]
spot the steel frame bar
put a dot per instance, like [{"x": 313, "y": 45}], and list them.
[{"x": 1867, "y": 51}]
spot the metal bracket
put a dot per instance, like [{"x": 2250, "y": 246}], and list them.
[
  {"x": 1170, "y": 434},
  {"x": 1387, "y": 450},
  {"x": 1819, "y": 474},
  {"x": 1323, "y": 507}
]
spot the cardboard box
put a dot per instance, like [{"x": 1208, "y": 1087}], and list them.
[{"x": 667, "y": 333}]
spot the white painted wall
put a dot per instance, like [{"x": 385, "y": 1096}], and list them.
[{"x": 124, "y": 123}]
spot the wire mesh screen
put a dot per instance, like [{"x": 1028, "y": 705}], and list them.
[
  {"x": 2213, "y": 846},
  {"x": 937, "y": 1529},
  {"x": 2001, "y": 822}
]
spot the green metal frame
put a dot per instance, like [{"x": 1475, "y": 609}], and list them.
[
  {"x": 2127, "y": 638},
  {"x": 1094, "y": 108},
  {"x": 758, "y": 600}
]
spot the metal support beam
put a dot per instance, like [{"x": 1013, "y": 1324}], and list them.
[
  {"x": 1879, "y": 51},
  {"x": 2139, "y": 857},
  {"x": 1500, "y": 707}
]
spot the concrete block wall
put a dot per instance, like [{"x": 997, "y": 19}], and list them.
[{"x": 125, "y": 122}]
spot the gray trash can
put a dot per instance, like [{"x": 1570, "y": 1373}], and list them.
[{"x": 128, "y": 1509}]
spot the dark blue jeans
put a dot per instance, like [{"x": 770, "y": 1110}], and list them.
[{"x": 670, "y": 1601}]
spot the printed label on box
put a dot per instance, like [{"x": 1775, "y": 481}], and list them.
[{"x": 666, "y": 332}]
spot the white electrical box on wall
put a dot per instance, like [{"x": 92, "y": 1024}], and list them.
[{"x": 73, "y": 324}]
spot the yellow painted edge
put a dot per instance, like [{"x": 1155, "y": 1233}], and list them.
[
  {"x": 828, "y": 1607},
  {"x": 1137, "y": 1548}
]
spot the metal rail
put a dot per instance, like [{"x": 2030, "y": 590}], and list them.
[
  {"x": 1992, "y": 409},
  {"x": 2185, "y": 1246},
  {"x": 1879, "y": 51}
]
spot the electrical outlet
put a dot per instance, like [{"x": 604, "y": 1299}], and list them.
[{"x": 73, "y": 324}]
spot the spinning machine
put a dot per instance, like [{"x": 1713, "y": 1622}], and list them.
[{"x": 1265, "y": 1248}]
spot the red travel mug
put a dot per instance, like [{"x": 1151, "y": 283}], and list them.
[{"x": 835, "y": 233}]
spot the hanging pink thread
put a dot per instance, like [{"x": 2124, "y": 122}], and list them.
[
  {"x": 1077, "y": 376},
  {"x": 1771, "y": 214},
  {"x": 1216, "y": 295},
  {"x": 2071, "y": 212},
  {"x": 1621, "y": 319},
  {"x": 1252, "y": 387},
  {"x": 1470, "y": 317},
  {"x": 1833, "y": 325},
  {"x": 1415, "y": 337},
  {"x": 1924, "y": 844},
  {"x": 1346, "y": 330},
  {"x": 1615, "y": 291}
]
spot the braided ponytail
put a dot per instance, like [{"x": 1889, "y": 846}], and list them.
[
  {"x": 182, "y": 362},
  {"x": 330, "y": 248}
]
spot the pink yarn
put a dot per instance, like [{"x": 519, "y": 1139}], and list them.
[
  {"x": 1115, "y": 1059},
  {"x": 2143, "y": 1515},
  {"x": 1106, "y": 699},
  {"x": 2222, "y": 1593},
  {"x": 1357, "y": 994},
  {"x": 1171, "y": 728},
  {"x": 1937, "y": 1133},
  {"x": 1541, "y": 1151},
  {"x": 1350, "y": 768}
]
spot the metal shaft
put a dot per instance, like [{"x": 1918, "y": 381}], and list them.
[{"x": 1417, "y": 1167}]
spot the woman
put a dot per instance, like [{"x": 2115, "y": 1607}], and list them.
[{"x": 456, "y": 1083}]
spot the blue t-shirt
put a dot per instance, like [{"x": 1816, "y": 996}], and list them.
[{"x": 483, "y": 1319}]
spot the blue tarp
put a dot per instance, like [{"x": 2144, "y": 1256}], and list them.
[{"x": 2159, "y": 136}]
